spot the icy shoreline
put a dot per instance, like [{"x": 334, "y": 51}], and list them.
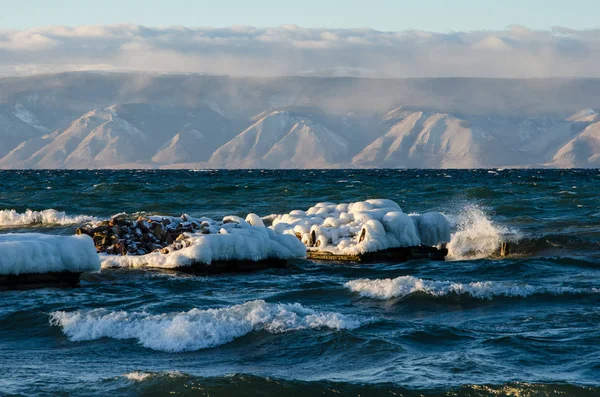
[{"x": 362, "y": 227}]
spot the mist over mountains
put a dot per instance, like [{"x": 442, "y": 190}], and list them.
[{"x": 149, "y": 120}]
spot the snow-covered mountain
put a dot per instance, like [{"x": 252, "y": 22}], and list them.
[
  {"x": 422, "y": 139},
  {"x": 95, "y": 120},
  {"x": 583, "y": 151},
  {"x": 282, "y": 139},
  {"x": 133, "y": 135}
]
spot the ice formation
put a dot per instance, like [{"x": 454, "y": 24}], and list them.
[
  {"x": 364, "y": 226},
  {"x": 198, "y": 328},
  {"x": 233, "y": 238},
  {"x": 22, "y": 253}
]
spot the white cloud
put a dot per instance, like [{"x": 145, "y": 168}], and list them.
[{"x": 291, "y": 50}]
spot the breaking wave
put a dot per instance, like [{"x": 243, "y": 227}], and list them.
[
  {"x": 477, "y": 236},
  {"x": 196, "y": 329},
  {"x": 405, "y": 286},
  {"x": 44, "y": 217},
  {"x": 141, "y": 376}
]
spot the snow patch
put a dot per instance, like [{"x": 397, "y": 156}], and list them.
[{"x": 27, "y": 117}]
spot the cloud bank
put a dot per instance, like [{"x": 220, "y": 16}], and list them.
[{"x": 292, "y": 50}]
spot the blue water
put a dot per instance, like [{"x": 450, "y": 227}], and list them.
[{"x": 544, "y": 341}]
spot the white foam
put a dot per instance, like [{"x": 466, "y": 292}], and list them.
[
  {"x": 196, "y": 329},
  {"x": 360, "y": 227},
  {"x": 231, "y": 239},
  {"x": 477, "y": 236},
  {"x": 44, "y": 217},
  {"x": 42, "y": 253},
  {"x": 404, "y": 286},
  {"x": 141, "y": 376}
]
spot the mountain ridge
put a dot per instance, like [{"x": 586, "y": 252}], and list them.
[{"x": 136, "y": 121}]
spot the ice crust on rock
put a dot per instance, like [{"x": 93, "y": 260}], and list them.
[
  {"x": 22, "y": 253},
  {"x": 233, "y": 238},
  {"x": 361, "y": 227}
]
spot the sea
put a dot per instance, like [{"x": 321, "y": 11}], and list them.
[{"x": 477, "y": 324}]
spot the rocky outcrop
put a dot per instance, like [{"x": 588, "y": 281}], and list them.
[{"x": 122, "y": 236}]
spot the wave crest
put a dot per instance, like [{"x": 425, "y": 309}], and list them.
[
  {"x": 44, "y": 217},
  {"x": 196, "y": 329},
  {"x": 404, "y": 286}
]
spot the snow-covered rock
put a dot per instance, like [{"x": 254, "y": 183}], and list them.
[
  {"x": 24, "y": 253},
  {"x": 361, "y": 227},
  {"x": 231, "y": 239}
]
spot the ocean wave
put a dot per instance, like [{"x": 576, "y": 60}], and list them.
[
  {"x": 196, "y": 329},
  {"x": 477, "y": 236},
  {"x": 173, "y": 382},
  {"x": 404, "y": 286},
  {"x": 141, "y": 376},
  {"x": 44, "y": 217}
]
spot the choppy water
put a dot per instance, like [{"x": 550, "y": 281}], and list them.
[{"x": 526, "y": 325}]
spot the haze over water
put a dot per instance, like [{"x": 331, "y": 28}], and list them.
[{"x": 475, "y": 325}]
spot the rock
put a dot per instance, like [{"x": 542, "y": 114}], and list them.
[
  {"x": 116, "y": 230},
  {"x": 100, "y": 228},
  {"x": 121, "y": 236},
  {"x": 117, "y": 220},
  {"x": 144, "y": 225},
  {"x": 159, "y": 232},
  {"x": 120, "y": 248}
]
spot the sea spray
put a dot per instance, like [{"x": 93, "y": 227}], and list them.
[
  {"x": 404, "y": 286},
  {"x": 196, "y": 329},
  {"x": 476, "y": 235},
  {"x": 11, "y": 217}
]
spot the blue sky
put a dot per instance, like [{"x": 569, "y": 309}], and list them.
[{"x": 387, "y": 15}]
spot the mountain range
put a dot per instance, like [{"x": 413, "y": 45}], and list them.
[{"x": 143, "y": 120}]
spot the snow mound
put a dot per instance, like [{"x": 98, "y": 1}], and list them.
[
  {"x": 44, "y": 217},
  {"x": 404, "y": 286},
  {"x": 231, "y": 239},
  {"x": 364, "y": 226},
  {"x": 196, "y": 329},
  {"x": 22, "y": 253}
]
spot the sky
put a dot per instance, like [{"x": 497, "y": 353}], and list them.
[
  {"x": 386, "y": 15},
  {"x": 374, "y": 38}
]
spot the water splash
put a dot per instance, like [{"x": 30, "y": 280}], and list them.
[
  {"x": 45, "y": 217},
  {"x": 476, "y": 235}
]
